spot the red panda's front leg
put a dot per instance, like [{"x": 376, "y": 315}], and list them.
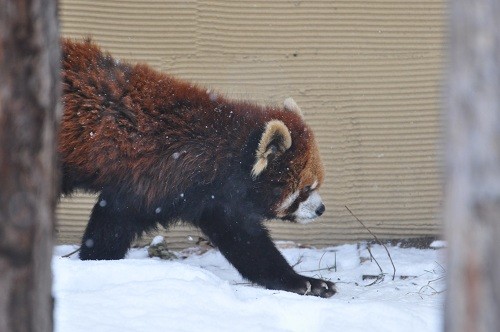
[{"x": 246, "y": 244}]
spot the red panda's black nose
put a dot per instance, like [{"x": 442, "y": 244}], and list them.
[{"x": 320, "y": 210}]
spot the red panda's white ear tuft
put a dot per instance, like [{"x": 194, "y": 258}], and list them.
[
  {"x": 275, "y": 140},
  {"x": 291, "y": 105}
]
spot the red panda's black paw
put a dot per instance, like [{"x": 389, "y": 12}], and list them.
[
  {"x": 321, "y": 288},
  {"x": 311, "y": 286}
]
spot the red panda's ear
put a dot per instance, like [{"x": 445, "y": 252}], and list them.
[
  {"x": 275, "y": 140},
  {"x": 291, "y": 105}
]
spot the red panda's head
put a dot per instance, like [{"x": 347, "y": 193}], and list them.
[{"x": 288, "y": 164}]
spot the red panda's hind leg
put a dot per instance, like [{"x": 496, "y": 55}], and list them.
[{"x": 113, "y": 226}]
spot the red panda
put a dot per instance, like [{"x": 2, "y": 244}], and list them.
[{"x": 159, "y": 150}]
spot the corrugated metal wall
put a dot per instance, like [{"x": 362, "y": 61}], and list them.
[{"x": 366, "y": 73}]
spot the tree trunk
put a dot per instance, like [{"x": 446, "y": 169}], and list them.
[
  {"x": 472, "y": 211},
  {"x": 29, "y": 99}
]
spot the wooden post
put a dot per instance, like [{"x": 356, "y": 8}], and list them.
[
  {"x": 472, "y": 205},
  {"x": 29, "y": 99}
]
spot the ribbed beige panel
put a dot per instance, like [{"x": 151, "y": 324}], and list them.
[{"x": 366, "y": 74}]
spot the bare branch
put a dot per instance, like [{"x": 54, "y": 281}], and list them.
[
  {"x": 71, "y": 253},
  {"x": 376, "y": 239}
]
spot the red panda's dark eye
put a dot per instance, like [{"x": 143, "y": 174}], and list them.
[
  {"x": 277, "y": 191},
  {"x": 307, "y": 189}
]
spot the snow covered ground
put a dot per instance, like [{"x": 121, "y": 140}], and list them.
[{"x": 203, "y": 292}]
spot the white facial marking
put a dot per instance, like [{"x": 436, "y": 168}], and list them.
[
  {"x": 314, "y": 185},
  {"x": 288, "y": 201},
  {"x": 307, "y": 209}
]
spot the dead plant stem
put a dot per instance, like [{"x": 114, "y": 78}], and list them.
[{"x": 376, "y": 239}]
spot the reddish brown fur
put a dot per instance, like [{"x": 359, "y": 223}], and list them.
[
  {"x": 125, "y": 123},
  {"x": 160, "y": 150}
]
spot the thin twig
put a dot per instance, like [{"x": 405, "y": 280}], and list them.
[
  {"x": 373, "y": 257},
  {"x": 376, "y": 239},
  {"x": 441, "y": 266},
  {"x": 428, "y": 286},
  {"x": 319, "y": 263},
  {"x": 377, "y": 278},
  {"x": 71, "y": 253},
  {"x": 328, "y": 268},
  {"x": 301, "y": 258},
  {"x": 246, "y": 283}
]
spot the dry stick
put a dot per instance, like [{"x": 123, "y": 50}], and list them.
[
  {"x": 319, "y": 263},
  {"x": 368, "y": 248},
  {"x": 71, "y": 253},
  {"x": 379, "y": 278},
  {"x": 376, "y": 239},
  {"x": 301, "y": 257},
  {"x": 328, "y": 268},
  {"x": 428, "y": 285}
]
